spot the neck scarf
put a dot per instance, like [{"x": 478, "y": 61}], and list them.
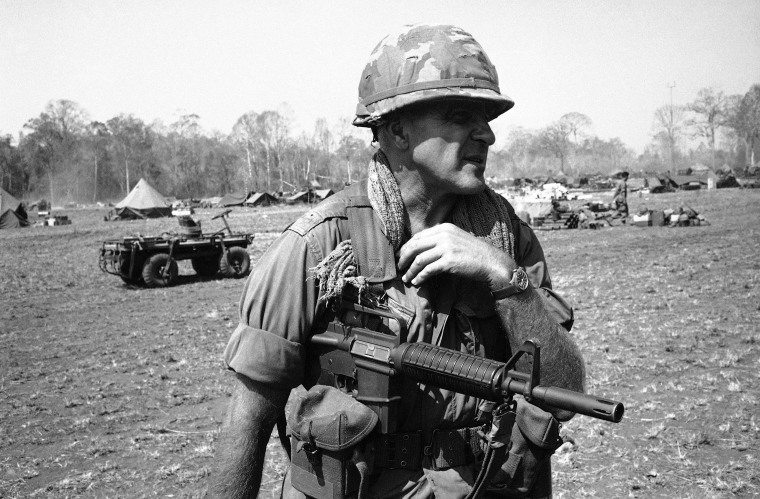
[{"x": 483, "y": 215}]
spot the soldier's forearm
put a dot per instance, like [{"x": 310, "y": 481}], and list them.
[
  {"x": 524, "y": 317},
  {"x": 242, "y": 450}
]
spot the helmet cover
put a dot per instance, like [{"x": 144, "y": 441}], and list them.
[{"x": 423, "y": 63}]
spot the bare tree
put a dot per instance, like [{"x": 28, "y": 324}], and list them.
[
  {"x": 131, "y": 142},
  {"x": 709, "y": 113},
  {"x": 518, "y": 149},
  {"x": 744, "y": 118},
  {"x": 322, "y": 135},
  {"x": 556, "y": 139},
  {"x": 57, "y": 136},
  {"x": 669, "y": 119},
  {"x": 577, "y": 124},
  {"x": 274, "y": 130},
  {"x": 245, "y": 134}
]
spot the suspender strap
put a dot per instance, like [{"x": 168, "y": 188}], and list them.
[
  {"x": 503, "y": 419},
  {"x": 372, "y": 250}
]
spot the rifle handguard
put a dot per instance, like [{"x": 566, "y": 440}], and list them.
[
  {"x": 483, "y": 378},
  {"x": 448, "y": 369}
]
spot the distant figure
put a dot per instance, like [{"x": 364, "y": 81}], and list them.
[
  {"x": 620, "y": 197},
  {"x": 555, "y": 209}
]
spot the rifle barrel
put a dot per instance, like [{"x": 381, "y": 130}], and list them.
[{"x": 588, "y": 405}]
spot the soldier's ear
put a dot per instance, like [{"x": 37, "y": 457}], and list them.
[{"x": 398, "y": 133}]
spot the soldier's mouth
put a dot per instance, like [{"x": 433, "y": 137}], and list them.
[{"x": 479, "y": 160}]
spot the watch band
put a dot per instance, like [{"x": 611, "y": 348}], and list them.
[{"x": 518, "y": 284}]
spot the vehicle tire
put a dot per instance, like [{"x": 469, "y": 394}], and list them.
[
  {"x": 124, "y": 271},
  {"x": 153, "y": 271},
  {"x": 235, "y": 262},
  {"x": 206, "y": 265}
]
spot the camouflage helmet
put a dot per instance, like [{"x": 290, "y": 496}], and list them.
[{"x": 422, "y": 63}]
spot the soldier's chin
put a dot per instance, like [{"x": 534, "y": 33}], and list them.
[{"x": 474, "y": 187}]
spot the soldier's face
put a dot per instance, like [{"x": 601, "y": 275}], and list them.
[{"x": 448, "y": 145}]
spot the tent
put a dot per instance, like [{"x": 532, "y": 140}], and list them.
[
  {"x": 12, "y": 214},
  {"x": 636, "y": 184},
  {"x": 688, "y": 182},
  {"x": 323, "y": 194},
  {"x": 210, "y": 202},
  {"x": 261, "y": 199},
  {"x": 658, "y": 185},
  {"x": 299, "y": 197},
  {"x": 233, "y": 199},
  {"x": 143, "y": 201}
]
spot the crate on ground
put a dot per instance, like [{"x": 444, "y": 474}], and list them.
[
  {"x": 565, "y": 220},
  {"x": 642, "y": 220}
]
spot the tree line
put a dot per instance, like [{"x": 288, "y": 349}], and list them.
[{"x": 66, "y": 157}]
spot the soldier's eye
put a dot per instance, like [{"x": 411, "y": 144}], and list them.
[{"x": 460, "y": 116}]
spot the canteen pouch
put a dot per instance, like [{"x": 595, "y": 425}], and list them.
[
  {"x": 527, "y": 470},
  {"x": 326, "y": 426}
]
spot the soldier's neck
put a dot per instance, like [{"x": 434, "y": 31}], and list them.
[{"x": 425, "y": 208}]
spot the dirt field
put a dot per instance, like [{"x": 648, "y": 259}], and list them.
[{"x": 112, "y": 391}]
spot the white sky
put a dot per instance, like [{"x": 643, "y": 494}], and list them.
[{"x": 611, "y": 60}]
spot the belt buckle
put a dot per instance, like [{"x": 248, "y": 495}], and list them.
[{"x": 427, "y": 450}]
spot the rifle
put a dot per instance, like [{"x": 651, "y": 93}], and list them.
[
  {"x": 360, "y": 353},
  {"x": 365, "y": 363}
]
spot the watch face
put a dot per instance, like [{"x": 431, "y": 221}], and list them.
[{"x": 521, "y": 279}]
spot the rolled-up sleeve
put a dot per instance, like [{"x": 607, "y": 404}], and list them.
[
  {"x": 530, "y": 256},
  {"x": 276, "y": 312}
]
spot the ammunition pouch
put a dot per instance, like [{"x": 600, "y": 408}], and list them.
[
  {"x": 527, "y": 470},
  {"x": 326, "y": 429}
]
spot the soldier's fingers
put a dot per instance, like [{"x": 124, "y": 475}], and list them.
[
  {"x": 413, "y": 248},
  {"x": 442, "y": 236},
  {"x": 418, "y": 271}
]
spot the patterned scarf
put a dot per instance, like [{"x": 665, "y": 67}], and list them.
[{"x": 484, "y": 215}]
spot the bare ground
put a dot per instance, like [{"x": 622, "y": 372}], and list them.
[{"x": 112, "y": 391}]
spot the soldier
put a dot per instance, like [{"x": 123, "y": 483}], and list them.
[
  {"x": 620, "y": 196},
  {"x": 444, "y": 251}
]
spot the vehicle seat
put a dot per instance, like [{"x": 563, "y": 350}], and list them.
[{"x": 189, "y": 228}]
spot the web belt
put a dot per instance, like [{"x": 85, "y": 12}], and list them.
[{"x": 445, "y": 448}]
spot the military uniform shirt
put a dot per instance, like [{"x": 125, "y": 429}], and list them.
[{"x": 280, "y": 305}]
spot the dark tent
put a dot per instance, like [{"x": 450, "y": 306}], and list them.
[
  {"x": 261, "y": 199},
  {"x": 299, "y": 197},
  {"x": 688, "y": 182},
  {"x": 233, "y": 199},
  {"x": 727, "y": 181},
  {"x": 657, "y": 185},
  {"x": 143, "y": 201},
  {"x": 12, "y": 214}
]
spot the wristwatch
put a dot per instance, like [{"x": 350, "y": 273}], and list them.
[{"x": 518, "y": 284}]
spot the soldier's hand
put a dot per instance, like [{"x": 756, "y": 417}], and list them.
[{"x": 446, "y": 248}]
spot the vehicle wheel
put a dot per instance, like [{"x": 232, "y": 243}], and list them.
[
  {"x": 207, "y": 265},
  {"x": 235, "y": 262},
  {"x": 124, "y": 272},
  {"x": 153, "y": 271}
]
